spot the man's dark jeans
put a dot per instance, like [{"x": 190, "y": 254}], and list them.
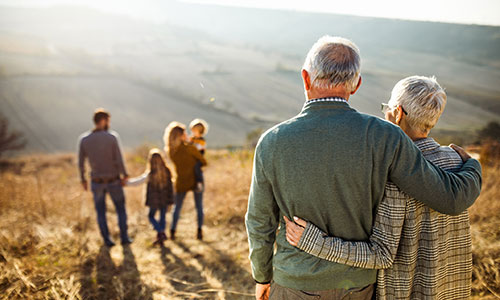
[{"x": 115, "y": 190}]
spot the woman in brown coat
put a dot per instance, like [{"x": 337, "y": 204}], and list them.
[{"x": 184, "y": 156}]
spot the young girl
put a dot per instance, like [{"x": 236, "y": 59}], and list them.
[
  {"x": 159, "y": 191},
  {"x": 184, "y": 156}
]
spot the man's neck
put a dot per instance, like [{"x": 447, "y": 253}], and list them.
[{"x": 335, "y": 93}]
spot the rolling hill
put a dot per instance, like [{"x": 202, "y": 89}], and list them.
[{"x": 237, "y": 68}]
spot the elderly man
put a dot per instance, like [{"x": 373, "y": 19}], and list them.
[
  {"x": 428, "y": 254},
  {"x": 329, "y": 165},
  {"x": 102, "y": 149}
]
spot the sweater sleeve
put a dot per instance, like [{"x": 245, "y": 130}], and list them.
[
  {"x": 117, "y": 155},
  {"x": 261, "y": 222},
  {"x": 376, "y": 253},
  {"x": 446, "y": 192}
]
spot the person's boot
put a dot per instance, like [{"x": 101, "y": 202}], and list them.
[
  {"x": 127, "y": 241},
  {"x": 109, "y": 242},
  {"x": 158, "y": 239},
  {"x": 163, "y": 236},
  {"x": 172, "y": 234},
  {"x": 199, "y": 235}
]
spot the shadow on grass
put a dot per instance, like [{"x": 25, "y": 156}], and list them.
[
  {"x": 133, "y": 287},
  {"x": 184, "y": 279},
  {"x": 96, "y": 276},
  {"x": 100, "y": 278},
  {"x": 224, "y": 269}
]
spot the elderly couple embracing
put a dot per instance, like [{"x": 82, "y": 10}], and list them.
[
  {"x": 344, "y": 205},
  {"x": 108, "y": 175}
]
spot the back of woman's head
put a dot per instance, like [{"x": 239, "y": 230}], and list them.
[
  {"x": 423, "y": 99},
  {"x": 173, "y": 136}
]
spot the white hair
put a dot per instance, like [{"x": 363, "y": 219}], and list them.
[
  {"x": 333, "y": 61},
  {"x": 422, "y": 98}
]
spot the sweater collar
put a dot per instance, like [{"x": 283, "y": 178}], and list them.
[{"x": 329, "y": 101}]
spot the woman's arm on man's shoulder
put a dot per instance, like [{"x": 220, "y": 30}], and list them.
[
  {"x": 446, "y": 192},
  {"x": 376, "y": 253}
]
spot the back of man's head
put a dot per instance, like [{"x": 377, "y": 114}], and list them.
[
  {"x": 333, "y": 61},
  {"x": 100, "y": 114}
]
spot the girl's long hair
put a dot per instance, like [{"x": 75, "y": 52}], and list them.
[
  {"x": 173, "y": 137},
  {"x": 158, "y": 172}
]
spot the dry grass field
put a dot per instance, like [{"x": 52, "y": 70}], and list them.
[{"x": 50, "y": 247}]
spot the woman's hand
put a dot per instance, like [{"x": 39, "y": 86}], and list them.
[{"x": 294, "y": 230}]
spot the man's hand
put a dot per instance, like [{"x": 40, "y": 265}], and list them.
[
  {"x": 294, "y": 230},
  {"x": 85, "y": 185},
  {"x": 463, "y": 154},
  {"x": 123, "y": 181},
  {"x": 262, "y": 291}
]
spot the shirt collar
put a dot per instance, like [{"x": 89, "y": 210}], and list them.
[
  {"x": 326, "y": 100},
  {"x": 426, "y": 144}
]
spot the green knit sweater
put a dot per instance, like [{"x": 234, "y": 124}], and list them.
[{"x": 329, "y": 165}]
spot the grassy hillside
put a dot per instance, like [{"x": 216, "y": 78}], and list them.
[
  {"x": 237, "y": 68},
  {"x": 50, "y": 247}
]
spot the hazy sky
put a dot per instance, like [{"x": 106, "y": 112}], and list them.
[{"x": 485, "y": 12}]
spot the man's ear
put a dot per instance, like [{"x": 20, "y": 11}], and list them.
[
  {"x": 307, "y": 80},
  {"x": 399, "y": 114},
  {"x": 357, "y": 86}
]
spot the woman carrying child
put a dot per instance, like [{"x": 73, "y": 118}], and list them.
[
  {"x": 159, "y": 191},
  {"x": 184, "y": 156}
]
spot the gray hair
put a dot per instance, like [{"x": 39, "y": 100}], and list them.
[
  {"x": 422, "y": 98},
  {"x": 333, "y": 61}
]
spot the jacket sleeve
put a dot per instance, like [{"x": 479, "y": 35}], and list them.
[
  {"x": 446, "y": 192},
  {"x": 170, "y": 187},
  {"x": 376, "y": 253},
  {"x": 197, "y": 154},
  {"x": 261, "y": 222},
  {"x": 138, "y": 180}
]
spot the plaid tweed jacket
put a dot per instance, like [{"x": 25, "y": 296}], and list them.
[{"x": 422, "y": 254}]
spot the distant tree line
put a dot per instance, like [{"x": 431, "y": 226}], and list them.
[{"x": 491, "y": 132}]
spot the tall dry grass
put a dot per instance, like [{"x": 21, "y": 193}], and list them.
[{"x": 50, "y": 247}]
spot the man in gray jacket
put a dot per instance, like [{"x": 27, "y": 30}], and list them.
[{"x": 102, "y": 148}]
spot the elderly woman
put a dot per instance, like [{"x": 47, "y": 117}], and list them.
[
  {"x": 184, "y": 156},
  {"x": 421, "y": 254}
]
